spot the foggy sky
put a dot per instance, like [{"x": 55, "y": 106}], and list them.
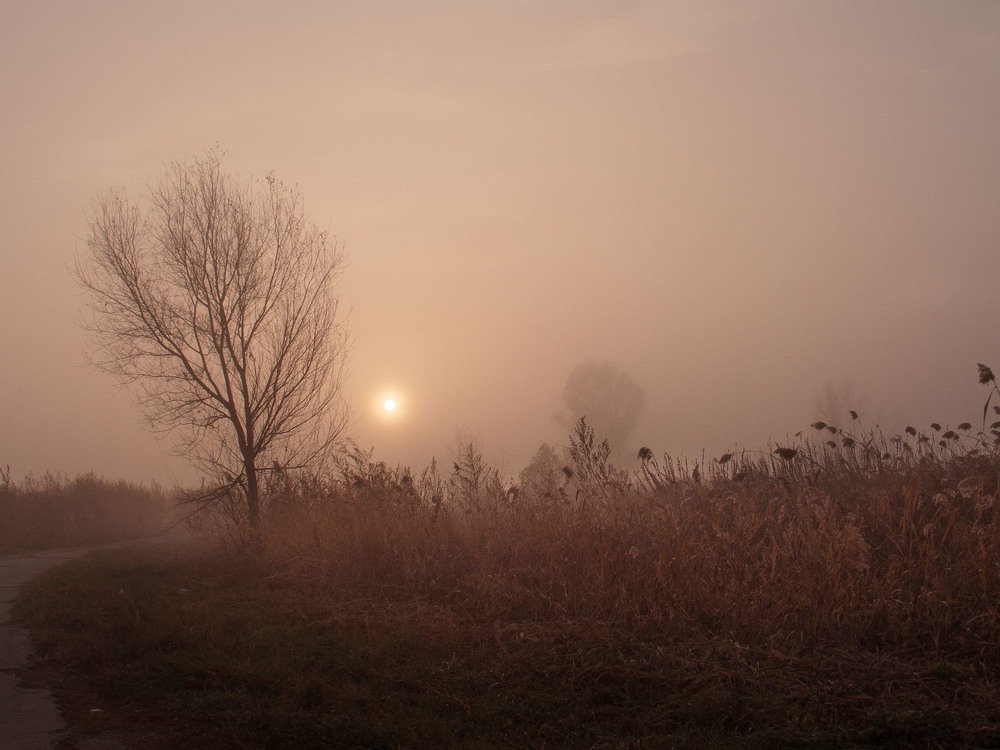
[{"x": 736, "y": 203}]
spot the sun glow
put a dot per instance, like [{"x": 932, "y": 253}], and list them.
[{"x": 389, "y": 405}]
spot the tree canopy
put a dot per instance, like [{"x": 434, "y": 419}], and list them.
[{"x": 610, "y": 400}]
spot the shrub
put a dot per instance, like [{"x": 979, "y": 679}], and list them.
[{"x": 53, "y": 511}]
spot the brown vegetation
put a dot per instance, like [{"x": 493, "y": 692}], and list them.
[
  {"x": 826, "y": 592},
  {"x": 881, "y": 548},
  {"x": 818, "y": 595},
  {"x": 58, "y": 512}
]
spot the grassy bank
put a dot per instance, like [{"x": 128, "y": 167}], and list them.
[{"x": 810, "y": 596}]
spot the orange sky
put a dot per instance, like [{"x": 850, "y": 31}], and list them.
[{"x": 735, "y": 202}]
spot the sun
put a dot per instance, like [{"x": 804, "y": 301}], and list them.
[{"x": 389, "y": 404}]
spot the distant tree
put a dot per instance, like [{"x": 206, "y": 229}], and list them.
[
  {"x": 213, "y": 301},
  {"x": 611, "y": 401},
  {"x": 836, "y": 401}
]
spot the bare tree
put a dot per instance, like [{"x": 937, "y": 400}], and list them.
[{"x": 214, "y": 304}]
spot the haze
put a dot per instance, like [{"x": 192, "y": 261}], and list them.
[{"x": 735, "y": 203}]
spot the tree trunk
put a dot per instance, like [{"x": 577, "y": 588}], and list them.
[{"x": 253, "y": 493}]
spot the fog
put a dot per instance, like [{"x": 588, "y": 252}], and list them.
[{"x": 740, "y": 205}]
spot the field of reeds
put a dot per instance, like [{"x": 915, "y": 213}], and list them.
[
  {"x": 839, "y": 590},
  {"x": 53, "y": 511}
]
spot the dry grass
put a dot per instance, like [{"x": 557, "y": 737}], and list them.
[
  {"x": 904, "y": 558},
  {"x": 58, "y": 512},
  {"x": 809, "y": 595},
  {"x": 821, "y": 587}
]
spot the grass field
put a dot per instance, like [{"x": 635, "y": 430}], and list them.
[{"x": 838, "y": 592}]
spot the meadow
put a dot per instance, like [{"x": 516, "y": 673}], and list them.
[{"x": 840, "y": 590}]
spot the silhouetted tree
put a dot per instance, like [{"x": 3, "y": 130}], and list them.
[
  {"x": 213, "y": 301},
  {"x": 610, "y": 399}
]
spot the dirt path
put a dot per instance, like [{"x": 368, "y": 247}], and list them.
[{"x": 29, "y": 718}]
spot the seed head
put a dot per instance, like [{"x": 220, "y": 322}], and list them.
[{"x": 986, "y": 375}]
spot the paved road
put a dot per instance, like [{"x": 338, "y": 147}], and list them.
[{"x": 29, "y": 718}]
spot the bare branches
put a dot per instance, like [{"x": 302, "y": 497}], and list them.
[{"x": 216, "y": 307}]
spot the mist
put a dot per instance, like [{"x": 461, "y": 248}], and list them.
[{"x": 747, "y": 209}]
